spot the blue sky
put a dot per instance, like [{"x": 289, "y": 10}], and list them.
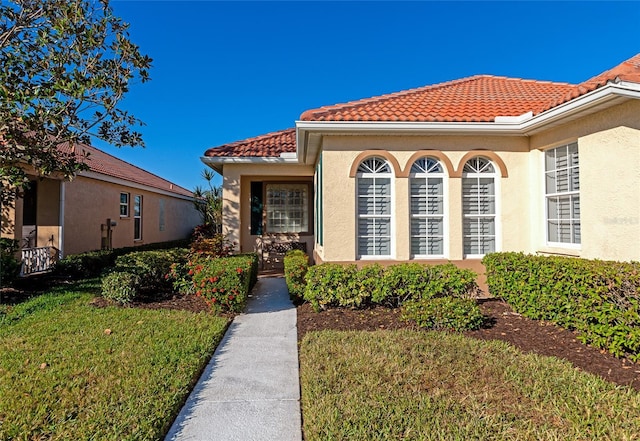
[{"x": 226, "y": 71}]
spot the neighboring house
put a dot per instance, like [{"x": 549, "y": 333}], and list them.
[
  {"x": 114, "y": 204},
  {"x": 449, "y": 171}
]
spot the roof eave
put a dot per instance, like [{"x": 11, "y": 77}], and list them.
[
  {"x": 217, "y": 162},
  {"x": 606, "y": 96}
]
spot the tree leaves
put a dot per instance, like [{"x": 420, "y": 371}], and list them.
[{"x": 65, "y": 66}]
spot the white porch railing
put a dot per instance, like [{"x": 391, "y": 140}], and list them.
[{"x": 38, "y": 260}]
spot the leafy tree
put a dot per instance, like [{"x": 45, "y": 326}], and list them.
[
  {"x": 209, "y": 203},
  {"x": 64, "y": 67}
]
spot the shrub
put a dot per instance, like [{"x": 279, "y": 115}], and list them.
[
  {"x": 223, "y": 282},
  {"x": 9, "y": 264},
  {"x": 599, "y": 299},
  {"x": 412, "y": 281},
  {"x": 332, "y": 284},
  {"x": 120, "y": 286},
  {"x": 94, "y": 263},
  {"x": 89, "y": 264},
  {"x": 296, "y": 265},
  {"x": 216, "y": 246},
  {"x": 152, "y": 267},
  {"x": 447, "y": 312}
]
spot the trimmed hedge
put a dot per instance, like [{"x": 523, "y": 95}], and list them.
[
  {"x": 333, "y": 284},
  {"x": 599, "y": 299},
  {"x": 94, "y": 263},
  {"x": 296, "y": 265},
  {"x": 224, "y": 282},
  {"x": 446, "y": 312},
  {"x": 141, "y": 271},
  {"x": 152, "y": 267}
]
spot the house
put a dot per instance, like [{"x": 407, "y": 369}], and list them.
[
  {"x": 449, "y": 171},
  {"x": 114, "y": 204}
]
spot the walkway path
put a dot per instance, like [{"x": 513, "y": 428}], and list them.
[{"x": 250, "y": 388}]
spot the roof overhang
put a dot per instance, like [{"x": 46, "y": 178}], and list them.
[
  {"x": 217, "y": 162},
  {"x": 309, "y": 133}
]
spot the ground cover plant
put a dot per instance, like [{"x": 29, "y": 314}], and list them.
[
  {"x": 414, "y": 385},
  {"x": 598, "y": 299},
  {"x": 70, "y": 370}
]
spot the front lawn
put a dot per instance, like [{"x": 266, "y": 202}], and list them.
[
  {"x": 69, "y": 370},
  {"x": 414, "y": 385}
]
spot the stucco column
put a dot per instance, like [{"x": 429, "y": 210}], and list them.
[
  {"x": 401, "y": 217},
  {"x": 455, "y": 219}
]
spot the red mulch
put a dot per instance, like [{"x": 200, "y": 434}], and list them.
[{"x": 502, "y": 324}]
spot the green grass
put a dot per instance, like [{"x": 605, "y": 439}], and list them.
[
  {"x": 62, "y": 377},
  {"x": 436, "y": 386}
]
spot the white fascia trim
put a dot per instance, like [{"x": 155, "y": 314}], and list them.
[
  {"x": 220, "y": 160},
  {"x": 519, "y": 126},
  {"x": 124, "y": 182}
]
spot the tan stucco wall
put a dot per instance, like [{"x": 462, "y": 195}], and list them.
[
  {"x": 609, "y": 155},
  {"x": 340, "y": 152},
  {"x": 236, "y": 205},
  {"x": 89, "y": 203}
]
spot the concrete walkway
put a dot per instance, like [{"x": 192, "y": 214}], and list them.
[{"x": 250, "y": 388}]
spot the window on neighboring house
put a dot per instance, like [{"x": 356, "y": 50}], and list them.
[
  {"x": 426, "y": 183},
  {"x": 374, "y": 202},
  {"x": 562, "y": 195},
  {"x": 479, "y": 207},
  {"x": 124, "y": 204},
  {"x": 137, "y": 217},
  {"x": 287, "y": 208}
]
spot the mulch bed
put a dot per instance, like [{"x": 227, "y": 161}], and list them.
[{"x": 502, "y": 324}]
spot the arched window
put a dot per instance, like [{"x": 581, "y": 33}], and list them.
[
  {"x": 427, "y": 208},
  {"x": 374, "y": 202},
  {"x": 479, "y": 207}
]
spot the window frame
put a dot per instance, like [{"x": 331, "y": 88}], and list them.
[
  {"x": 125, "y": 204},
  {"x": 373, "y": 175},
  {"x": 570, "y": 193},
  {"x": 444, "y": 216},
  {"x": 495, "y": 175},
  {"x": 308, "y": 207},
  {"x": 137, "y": 218}
]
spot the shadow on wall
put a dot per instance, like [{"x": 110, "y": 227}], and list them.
[
  {"x": 230, "y": 220},
  {"x": 8, "y": 227}
]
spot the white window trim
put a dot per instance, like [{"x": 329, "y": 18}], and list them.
[
  {"x": 392, "y": 227},
  {"x": 445, "y": 214},
  {"x": 137, "y": 239},
  {"x": 306, "y": 209},
  {"x": 124, "y": 216},
  {"x": 545, "y": 220},
  {"x": 498, "y": 204}
]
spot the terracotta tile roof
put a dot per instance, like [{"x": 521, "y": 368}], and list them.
[
  {"x": 474, "y": 99},
  {"x": 628, "y": 70},
  {"x": 106, "y": 164},
  {"x": 269, "y": 145}
]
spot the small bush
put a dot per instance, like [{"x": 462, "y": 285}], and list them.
[
  {"x": 225, "y": 282},
  {"x": 447, "y": 312},
  {"x": 296, "y": 265},
  {"x": 9, "y": 264},
  {"x": 152, "y": 267},
  {"x": 599, "y": 299},
  {"x": 120, "y": 286},
  {"x": 216, "y": 246},
  {"x": 332, "y": 284},
  {"x": 412, "y": 281}
]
